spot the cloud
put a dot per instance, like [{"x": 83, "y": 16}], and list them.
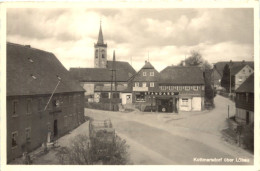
[{"x": 167, "y": 34}]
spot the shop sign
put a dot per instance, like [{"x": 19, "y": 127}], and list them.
[{"x": 140, "y": 88}]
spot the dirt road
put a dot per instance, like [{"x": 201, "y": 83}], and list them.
[{"x": 159, "y": 138}]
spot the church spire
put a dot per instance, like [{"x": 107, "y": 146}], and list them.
[{"x": 100, "y": 36}]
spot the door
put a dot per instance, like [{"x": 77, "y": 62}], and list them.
[
  {"x": 247, "y": 117},
  {"x": 128, "y": 98},
  {"x": 55, "y": 128}
]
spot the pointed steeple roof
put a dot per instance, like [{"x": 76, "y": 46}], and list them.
[{"x": 100, "y": 36}]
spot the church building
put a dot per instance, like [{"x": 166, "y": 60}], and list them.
[{"x": 98, "y": 81}]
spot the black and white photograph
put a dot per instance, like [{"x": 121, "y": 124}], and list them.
[{"x": 130, "y": 86}]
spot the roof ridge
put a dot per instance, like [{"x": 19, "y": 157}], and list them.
[{"x": 24, "y": 46}]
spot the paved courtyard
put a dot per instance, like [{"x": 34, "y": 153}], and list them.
[{"x": 164, "y": 138}]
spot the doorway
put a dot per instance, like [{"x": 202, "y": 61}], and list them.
[
  {"x": 165, "y": 105},
  {"x": 55, "y": 128}
]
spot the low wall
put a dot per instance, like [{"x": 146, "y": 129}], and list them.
[{"x": 102, "y": 106}]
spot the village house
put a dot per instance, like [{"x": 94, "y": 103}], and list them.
[
  {"x": 43, "y": 101},
  {"x": 181, "y": 89},
  {"x": 97, "y": 81},
  {"x": 239, "y": 74},
  {"x": 240, "y": 71},
  {"x": 173, "y": 89},
  {"x": 245, "y": 102},
  {"x": 144, "y": 83}
]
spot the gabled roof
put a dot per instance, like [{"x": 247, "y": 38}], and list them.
[
  {"x": 220, "y": 65},
  {"x": 247, "y": 86},
  {"x": 181, "y": 75},
  {"x": 121, "y": 65},
  {"x": 32, "y": 71},
  {"x": 124, "y": 72},
  {"x": 236, "y": 69},
  {"x": 147, "y": 65}
]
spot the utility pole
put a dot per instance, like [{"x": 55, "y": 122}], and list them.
[{"x": 113, "y": 70}]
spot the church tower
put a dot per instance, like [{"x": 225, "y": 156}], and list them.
[{"x": 100, "y": 54}]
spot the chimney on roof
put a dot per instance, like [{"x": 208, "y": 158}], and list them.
[
  {"x": 243, "y": 62},
  {"x": 145, "y": 61},
  {"x": 27, "y": 46}
]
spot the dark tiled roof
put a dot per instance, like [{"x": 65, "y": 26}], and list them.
[
  {"x": 121, "y": 65},
  {"x": 24, "y": 63},
  {"x": 181, "y": 75},
  {"x": 247, "y": 86},
  {"x": 236, "y": 69},
  {"x": 220, "y": 65},
  {"x": 147, "y": 65},
  {"x": 124, "y": 72}
]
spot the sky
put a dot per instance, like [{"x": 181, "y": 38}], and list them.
[{"x": 166, "y": 35}]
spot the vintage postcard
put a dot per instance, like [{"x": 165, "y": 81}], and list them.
[{"x": 154, "y": 84}]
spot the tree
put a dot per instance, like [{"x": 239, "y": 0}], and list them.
[
  {"x": 81, "y": 152},
  {"x": 225, "y": 80},
  {"x": 195, "y": 59}
]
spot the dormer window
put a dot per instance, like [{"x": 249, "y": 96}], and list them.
[
  {"x": 33, "y": 76},
  {"x": 58, "y": 77},
  {"x": 30, "y": 60}
]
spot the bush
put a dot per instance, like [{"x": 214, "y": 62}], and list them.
[{"x": 82, "y": 153}]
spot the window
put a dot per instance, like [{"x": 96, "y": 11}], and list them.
[
  {"x": 96, "y": 54},
  {"x": 202, "y": 87},
  {"x": 140, "y": 97},
  {"x": 104, "y": 95},
  {"x": 151, "y": 84},
  {"x": 240, "y": 79},
  {"x": 249, "y": 70},
  {"x": 195, "y": 88},
  {"x": 185, "y": 102},
  {"x": 15, "y": 106},
  {"x": 103, "y": 55},
  {"x": 144, "y": 84},
  {"x": 116, "y": 95},
  {"x": 29, "y": 106},
  {"x": 136, "y": 84},
  {"x": 187, "y": 88},
  {"x": 28, "y": 134},
  {"x": 56, "y": 103},
  {"x": 144, "y": 73},
  {"x": 180, "y": 87},
  {"x": 14, "y": 139},
  {"x": 151, "y": 73},
  {"x": 246, "y": 97}
]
